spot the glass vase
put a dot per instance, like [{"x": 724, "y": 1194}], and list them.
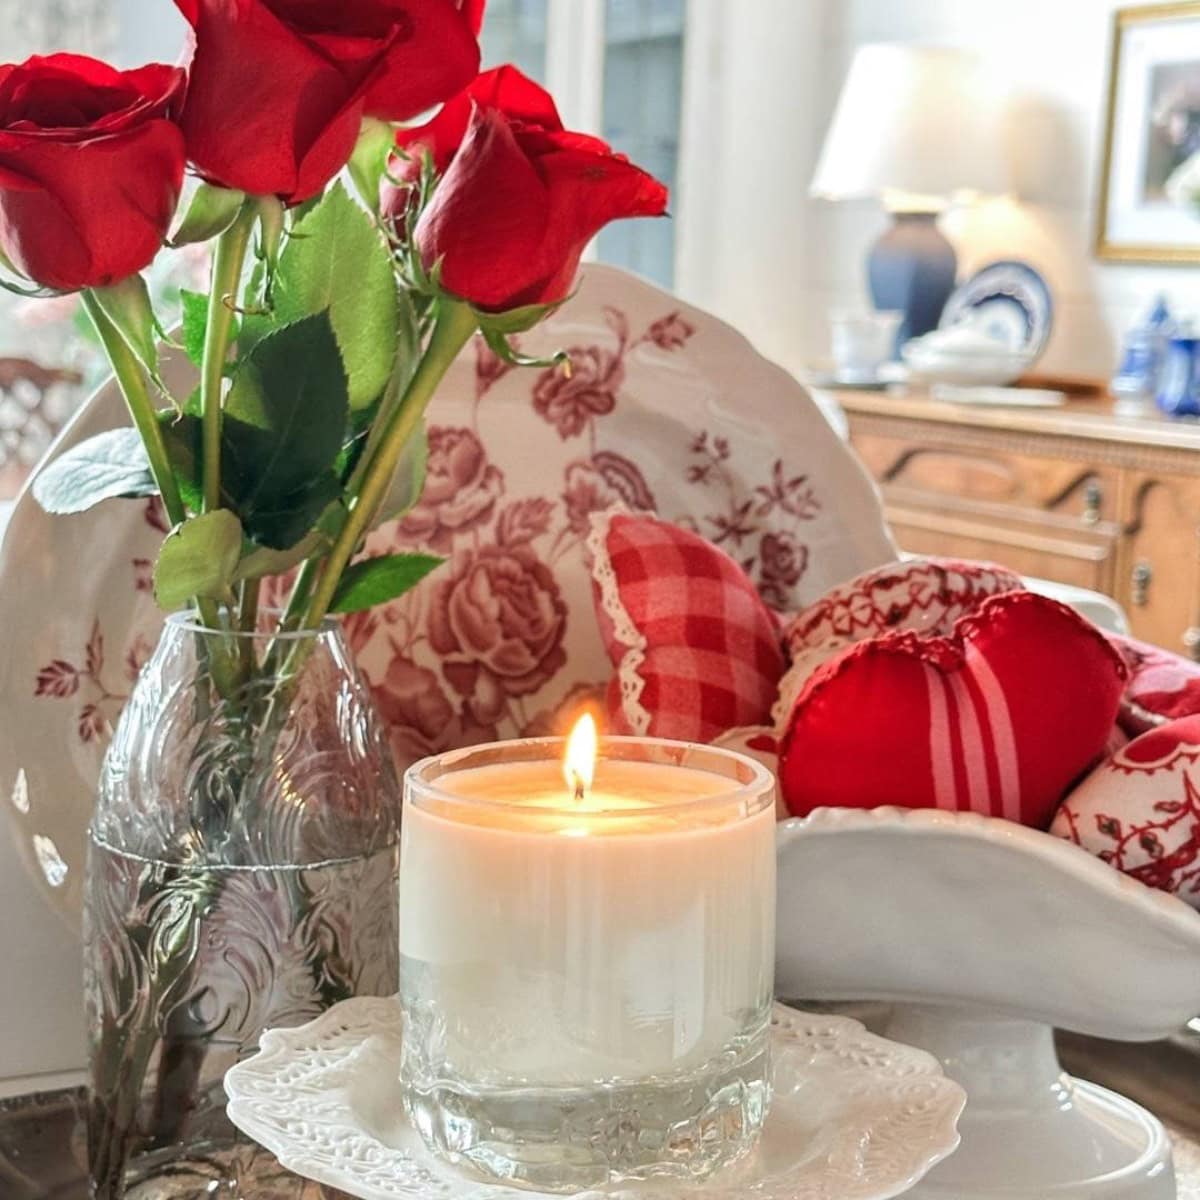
[{"x": 242, "y": 873}]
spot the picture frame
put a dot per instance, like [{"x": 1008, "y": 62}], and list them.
[{"x": 1152, "y": 130}]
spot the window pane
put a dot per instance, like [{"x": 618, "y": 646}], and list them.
[
  {"x": 515, "y": 31},
  {"x": 643, "y": 89}
]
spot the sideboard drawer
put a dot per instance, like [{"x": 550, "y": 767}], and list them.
[
  {"x": 1158, "y": 570},
  {"x": 1053, "y": 547},
  {"x": 976, "y": 469},
  {"x": 1072, "y": 494}
]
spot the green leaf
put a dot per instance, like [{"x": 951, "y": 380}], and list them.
[
  {"x": 285, "y": 422},
  {"x": 102, "y": 468},
  {"x": 184, "y": 437},
  {"x": 288, "y": 410},
  {"x": 262, "y": 561},
  {"x": 128, "y": 306},
  {"x": 195, "y": 325},
  {"x": 337, "y": 260},
  {"x": 195, "y": 322},
  {"x": 378, "y": 580},
  {"x": 198, "y": 559},
  {"x": 409, "y": 480},
  {"x": 210, "y": 213},
  {"x": 283, "y": 522},
  {"x": 370, "y": 158}
]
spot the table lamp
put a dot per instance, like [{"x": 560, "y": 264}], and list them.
[{"x": 917, "y": 127}]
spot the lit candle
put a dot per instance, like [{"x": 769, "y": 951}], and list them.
[{"x": 585, "y": 928}]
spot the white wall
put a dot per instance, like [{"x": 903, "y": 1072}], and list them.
[{"x": 776, "y": 262}]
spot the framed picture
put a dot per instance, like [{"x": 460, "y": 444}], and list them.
[{"x": 1150, "y": 191}]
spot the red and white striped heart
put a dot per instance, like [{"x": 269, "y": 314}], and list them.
[{"x": 998, "y": 718}]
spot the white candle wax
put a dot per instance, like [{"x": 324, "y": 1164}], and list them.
[{"x": 553, "y": 943}]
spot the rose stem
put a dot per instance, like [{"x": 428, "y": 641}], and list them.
[
  {"x": 132, "y": 382},
  {"x": 141, "y": 408},
  {"x": 307, "y": 576},
  {"x": 226, "y": 276},
  {"x": 455, "y": 325}
]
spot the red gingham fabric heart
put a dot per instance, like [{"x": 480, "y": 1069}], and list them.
[
  {"x": 997, "y": 719},
  {"x": 696, "y": 651}
]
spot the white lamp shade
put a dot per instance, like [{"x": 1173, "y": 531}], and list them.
[{"x": 913, "y": 120}]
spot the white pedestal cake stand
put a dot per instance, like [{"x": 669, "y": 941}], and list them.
[
  {"x": 854, "y": 1117},
  {"x": 984, "y": 935}
]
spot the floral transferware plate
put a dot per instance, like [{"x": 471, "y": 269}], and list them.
[
  {"x": 667, "y": 409},
  {"x": 854, "y": 1116}
]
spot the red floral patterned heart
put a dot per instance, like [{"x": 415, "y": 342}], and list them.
[
  {"x": 1140, "y": 810},
  {"x": 998, "y": 718}
]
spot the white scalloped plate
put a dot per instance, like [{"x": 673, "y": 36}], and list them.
[{"x": 854, "y": 1116}]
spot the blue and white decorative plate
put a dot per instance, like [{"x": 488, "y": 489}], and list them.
[{"x": 1008, "y": 301}]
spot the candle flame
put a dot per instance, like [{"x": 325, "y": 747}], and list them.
[{"x": 579, "y": 768}]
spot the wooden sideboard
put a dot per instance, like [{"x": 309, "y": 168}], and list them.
[{"x": 1074, "y": 494}]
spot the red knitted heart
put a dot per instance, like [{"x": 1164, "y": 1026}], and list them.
[{"x": 998, "y": 719}]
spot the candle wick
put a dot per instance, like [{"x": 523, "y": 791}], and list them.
[{"x": 580, "y": 790}]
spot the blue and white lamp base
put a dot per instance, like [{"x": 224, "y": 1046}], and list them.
[{"x": 912, "y": 269}]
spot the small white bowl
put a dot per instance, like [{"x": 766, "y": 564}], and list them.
[{"x": 966, "y": 368}]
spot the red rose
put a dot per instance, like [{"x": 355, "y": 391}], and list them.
[
  {"x": 496, "y": 620},
  {"x": 504, "y": 88},
  {"x": 279, "y": 88},
  {"x": 91, "y": 166},
  {"x": 461, "y": 490},
  {"x": 518, "y": 204}
]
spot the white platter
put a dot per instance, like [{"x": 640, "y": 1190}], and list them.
[
  {"x": 999, "y": 397},
  {"x": 854, "y": 1116}
]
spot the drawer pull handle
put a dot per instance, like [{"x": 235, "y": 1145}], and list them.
[
  {"x": 1093, "y": 501},
  {"x": 1191, "y": 642},
  {"x": 1142, "y": 577}
]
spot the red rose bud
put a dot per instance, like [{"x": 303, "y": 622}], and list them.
[
  {"x": 279, "y": 88},
  {"x": 503, "y": 88},
  {"x": 517, "y": 206},
  {"x": 91, "y": 167}
]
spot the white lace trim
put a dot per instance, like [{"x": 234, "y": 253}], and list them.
[{"x": 629, "y": 680}]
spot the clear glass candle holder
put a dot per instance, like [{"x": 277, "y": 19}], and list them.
[{"x": 587, "y": 982}]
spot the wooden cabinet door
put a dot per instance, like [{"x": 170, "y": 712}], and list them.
[
  {"x": 1158, "y": 568},
  {"x": 1049, "y": 545}
]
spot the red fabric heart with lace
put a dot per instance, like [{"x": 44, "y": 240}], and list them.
[
  {"x": 999, "y": 718},
  {"x": 695, "y": 650}
]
